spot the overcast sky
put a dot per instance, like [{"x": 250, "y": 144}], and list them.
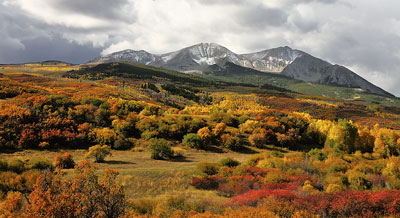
[{"x": 363, "y": 35}]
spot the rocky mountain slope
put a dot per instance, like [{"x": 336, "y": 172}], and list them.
[
  {"x": 282, "y": 60},
  {"x": 200, "y": 56},
  {"x": 310, "y": 69}
]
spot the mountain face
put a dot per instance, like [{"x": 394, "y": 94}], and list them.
[
  {"x": 289, "y": 62},
  {"x": 310, "y": 69},
  {"x": 129, "y": 55},
  {"x": 198, "y": 57},
  {"x": 272, "y": 60}
]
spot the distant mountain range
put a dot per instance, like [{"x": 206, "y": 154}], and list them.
[{"x": 205, "y": 57}]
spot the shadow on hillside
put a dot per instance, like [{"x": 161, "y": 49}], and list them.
[
  {"x": 118, "y": 162},
  {"x": 247, "y": 150},
  {"x": 274, "y": 148},
  {"x": 214, "y": 149}
]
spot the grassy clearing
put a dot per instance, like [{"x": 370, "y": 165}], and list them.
[{"x": 143, "y": 177}]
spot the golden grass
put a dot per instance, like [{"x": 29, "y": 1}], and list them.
[{"x": 142, "y": 176}]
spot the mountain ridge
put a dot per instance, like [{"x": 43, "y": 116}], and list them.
[{"x": 286, "y": 61}]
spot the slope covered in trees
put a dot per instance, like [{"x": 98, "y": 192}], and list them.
[{"x": 315, "y": 156}]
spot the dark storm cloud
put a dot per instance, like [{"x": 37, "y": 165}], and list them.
[
  {"x": 15, "y": 24},
  {"x": 55, "y": 48},
  {"x": 25, "y": 39}
]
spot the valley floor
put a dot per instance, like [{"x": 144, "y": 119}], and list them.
[{"x": 142, "y": 176}]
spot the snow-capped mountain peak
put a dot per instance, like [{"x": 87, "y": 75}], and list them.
[
  {"x": 200, "y": 56},
  {"x": 283, "y": 60}
]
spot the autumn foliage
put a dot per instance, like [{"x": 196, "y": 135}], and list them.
[
  {"x": 85, "y": 195},
  {"x": 316, "y": 156}
]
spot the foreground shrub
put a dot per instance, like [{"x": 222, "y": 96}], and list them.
[
  {"x": 275, "y": 176},
  {"x": 29, "y": 178},
  {"x": 257, "y": 140},
  {"x": 231, "y": 142},
  {"x": 160, "y": 149},
  {"x": 98, "y": 152},
  {"x": 11, "y": 181},
  {"x": 208, "y": 168},
  {"x": 284, "y": 199},
  {"x": 86, "y": 195},
  {"x": 12, "y": 205},
  {"x": 193, "y": 140},
  {"x": 334, "y": 188},
  {"x": 229, "y": 162},
  {"x": 206, "y": 182},
  {"x": 64, "y": 161}
]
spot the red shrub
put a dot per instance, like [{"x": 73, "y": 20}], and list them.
[
  {"x": 377, "y": 180},
  {"x": 252, "y": 197},
  {"x": 250, "y": 178},
  {"x": 355, "y": 204},
  {"x": 206, "y": 182}
]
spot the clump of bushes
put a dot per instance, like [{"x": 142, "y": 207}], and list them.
[
  {"x": 98, "y": 152},
  {"x": 64, "y": 161},
  {"x": 122, "y": 143},
  {"x": 208, "y": 168},
  {"x": 229, "y": 162},
  {"x": 206, "y": 182},
  {"x": 193, "y": 140},
  {"x": 160, "y": 149},
  {"x": 231, "y": 142}
]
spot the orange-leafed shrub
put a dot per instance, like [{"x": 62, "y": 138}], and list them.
[{"x": 64, "y": 161}]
